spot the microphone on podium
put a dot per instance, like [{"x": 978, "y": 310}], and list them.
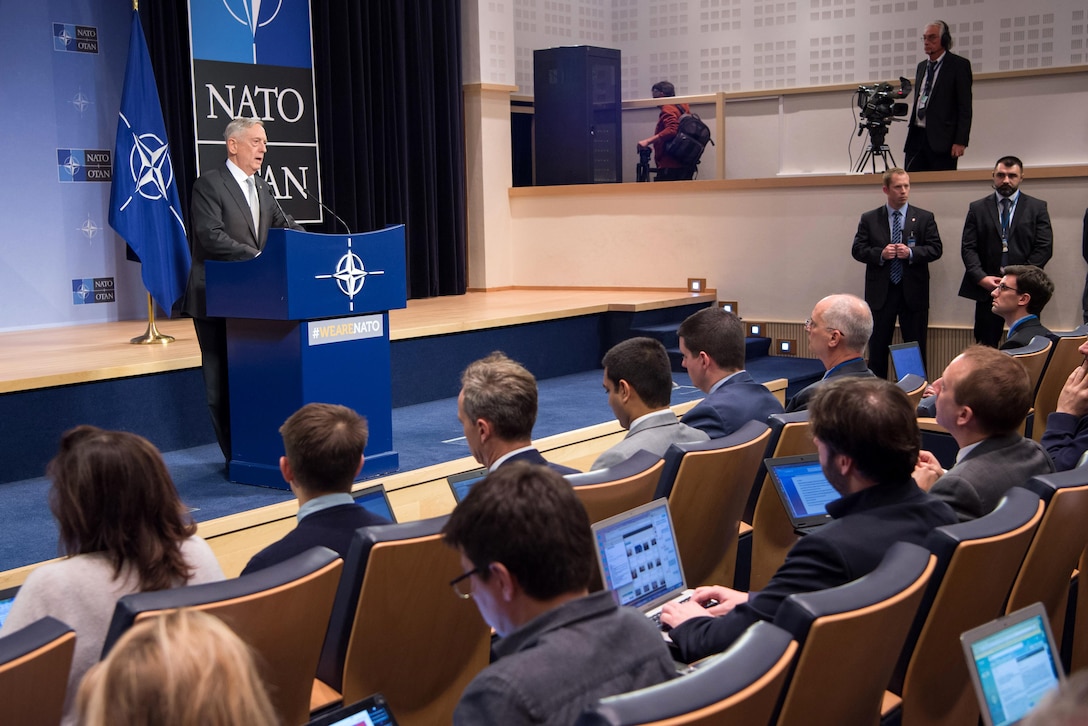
[{"x": 326, "y": 208}]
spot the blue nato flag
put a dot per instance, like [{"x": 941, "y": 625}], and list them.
[{"x": 144, "y": 205}]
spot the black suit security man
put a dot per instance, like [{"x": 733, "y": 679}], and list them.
[
  {"x": 1004, "y": 228},
  {"x": 940, "y": 122},
  {"x": 896, "y": 253},
  {"x": 232, "y": 211}
]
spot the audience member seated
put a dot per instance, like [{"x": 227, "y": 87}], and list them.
[
  {"x": 867, "y": 438},
  {"x": 982, "y": 398},
  {"x": 1019, "y": 300},
  {"x": 527, "y": 557},
  {"x": 1066, "y": 436},
  {"x": 497, "y": 409},
  {"x": 712, "y": 343},
  {"x": 638, "y": 380},
  {"x": 123, "y": 530},
  {"x": 838, "y": 330},
  {"x": 1065, "y": 706},
  {"x": 178, "y": 669},
  {"x": 324, "y": 445}
]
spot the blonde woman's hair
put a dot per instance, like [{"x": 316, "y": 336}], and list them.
[{"x": 183, "y": 668}]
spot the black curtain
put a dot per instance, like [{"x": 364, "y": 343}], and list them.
[{"x": 390, "y": 121}]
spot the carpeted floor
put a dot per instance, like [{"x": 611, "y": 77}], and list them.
[{"x": 423, "y": 434}]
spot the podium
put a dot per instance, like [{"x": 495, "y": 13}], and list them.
[{"x": 308, "y": 321}]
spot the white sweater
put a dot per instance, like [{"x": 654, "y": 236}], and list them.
[{"x": 82, "y": 593}]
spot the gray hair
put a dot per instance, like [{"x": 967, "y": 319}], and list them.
[
  {"x": 238, "y": 125},
  {"x": 850, "y": 315}
]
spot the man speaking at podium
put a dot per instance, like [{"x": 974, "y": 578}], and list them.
[{"x": 232, "y": 211}]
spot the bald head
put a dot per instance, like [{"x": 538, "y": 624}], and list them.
[{"x": 840, "y": 327}]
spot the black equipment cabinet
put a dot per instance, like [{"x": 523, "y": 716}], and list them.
[{"x": 577, "y": 130}]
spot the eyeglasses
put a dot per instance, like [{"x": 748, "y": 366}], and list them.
[
  {"x": 1003, "y": 287},
  {"x": 811, "y": 325},
  {"x": 456, "y": 583}
]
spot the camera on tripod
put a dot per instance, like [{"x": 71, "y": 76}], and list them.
[
  {"x": 878, "y": 109},
  {"x": 877, "y": 102}
]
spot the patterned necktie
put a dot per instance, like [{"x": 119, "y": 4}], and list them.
[
  {"x": 1006, "y": 207},
  {"x": 897, "y": 238},
  {"x": 931, "y": 68},
  {"x": 254, "y": 205}
]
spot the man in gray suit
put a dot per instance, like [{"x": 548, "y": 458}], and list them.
[
  {"x": 982, "y": 398},
  {"x": 232, "y": 211},
  {"x": 638, "y": 380},
  {"x": 1004, "y": 228}
]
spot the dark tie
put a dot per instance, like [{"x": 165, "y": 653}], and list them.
[
  {"x": 897, "y": 238},
  {"x": 1006, "y": 207},
  {"x": 931, "y": 68}
]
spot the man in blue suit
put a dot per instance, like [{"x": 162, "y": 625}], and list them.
[
  {"x": 324, "y": 446},
  {"x": 497, "y": 410},
  {"x": 712, "y": 343},
  {"x": 896, "y": 241}
]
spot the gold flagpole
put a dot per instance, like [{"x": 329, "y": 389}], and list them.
[{"x": 151, "y": 335}]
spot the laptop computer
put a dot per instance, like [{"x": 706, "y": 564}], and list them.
[
  {"x": 639, "y": 559},
  {"x": 1013, "y": 663},
  {"x": 371, "y": 711},
  {"x": 907, "y": 358},
  {"x": 460, "y": 484},
  {"x": 376, "y": 501},
  {"x": 803, "y": 489},
  {"x": 7, "y": 597}
]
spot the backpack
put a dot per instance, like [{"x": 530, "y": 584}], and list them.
[{"x": 690, "y": 140}]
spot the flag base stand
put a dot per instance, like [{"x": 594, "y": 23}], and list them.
[{"x": 152, "y": 335}]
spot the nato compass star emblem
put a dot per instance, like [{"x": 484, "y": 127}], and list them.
[
  {"x": 150, "y": 168},
  {"x": 250, "y": 16},
  {"x": 64, "y": 37},
  {"x": 350, "y": 275},
  {"x": 83, "y": 292},
  {"x": 71, "y": 165},
  {"x": 89, "y": 228},
  {"x": 81, "y": 102}
]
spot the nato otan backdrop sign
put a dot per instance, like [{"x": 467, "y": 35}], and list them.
[{"x": 254, "y": 58}]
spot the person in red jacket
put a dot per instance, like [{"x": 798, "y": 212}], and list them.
[{"x": 668, "y": 168}]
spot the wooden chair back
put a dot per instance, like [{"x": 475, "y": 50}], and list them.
[
  {"x": 977, "y": 562},
  {"x": 408, "y": 636},
  {"x": 709, "y": 492},
  {"x": 1063, "y": 359},
  {"x": 840, "y": 675},
  {"x": 1033, "y": 357},
  {"x": 608, "y": 492},
  {"x": 281, "y": 612},
  {"x": 739, "y": 687},
  {"x": 1057, "y": 546},
  {"x": 914, "y": 386},
  {"x": 34, "y": 666},
  {"x": 772, "y": 532}
]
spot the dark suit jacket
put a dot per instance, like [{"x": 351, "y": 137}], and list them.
[
  {"x": 865, "y": 526},
  {"x": 533, "y": 457},
  {"x": 1065, "y": 439},
  {"x": 854, "y": 367},
  {"x": 1031, "y": 241},
  {"x": 974, "y": 486},
  {"x": 948, "y": 113},
  {"x": 1024, "y": 332},
  {"x": 333, "y": 528},
  {"x": 223, "y": 228},
  {"x": 874, "y": 234},
  {"x": 736, "y": 402}
]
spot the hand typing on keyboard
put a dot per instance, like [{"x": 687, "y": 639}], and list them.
[{"x": 704, "y": 602}]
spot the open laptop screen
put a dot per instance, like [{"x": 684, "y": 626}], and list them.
[
  {"x": 638, "y": 555},
  {"x": 1013, "y": 664},
  {"x": 803, "y": 488},
  {"x": 460, "y": 484},
  {"x": 375, "y": 501},
  {"x": 372, "y": 711},
  {"x": 907, "y": 358}
]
